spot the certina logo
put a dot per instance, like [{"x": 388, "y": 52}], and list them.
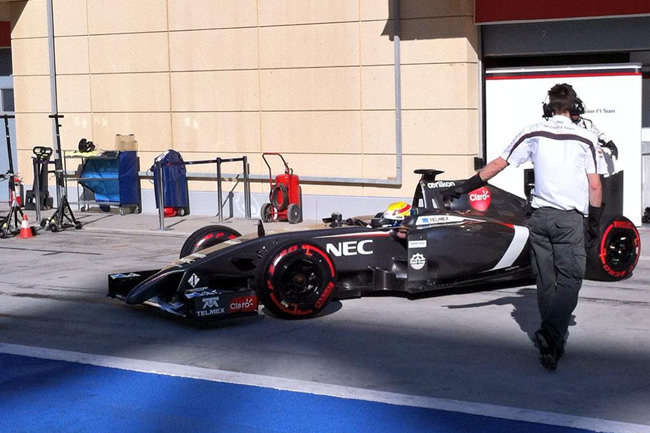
[
  {"x": 440, "y": 184},
  {"x": 480, "y": 199},
  {"x": 350, "y": 248}
]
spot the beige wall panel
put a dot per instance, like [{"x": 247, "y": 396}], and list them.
[
  {"x": 30, "y": 56},
  {"x": 309, "y": 46},
  {"x": 25, "y": 15},
  {"x": 440, "y": 132},
  {"x": 282, "y": 12},
  {"x": 32, "y": 94},
  {"x": 215, "y": 91},
  {"x": 439, "y": 40},
  {"x": 423, "y": 41},
  {"x": 378, "y": 132},
  {"x": 423, "y": 86},
  {"x": 213, "y": 49},
  {"x": 331, "y": 190},
  {"x": 455, "y": 167},
  {"x": 378, "y": 87},
  {"x": 380, "y": 167},
  {"x": 441, "y": 86},
  {"x": 376, "y": 48},
  {"x": 438, "y": 8},
  {"x": 312, "y": 132},
  {"x": 216, "y": 132},
  {"x": 126, "y": 16},
  {"x": 24, "y": 167},
  {"x": 151, "y": 130},
  {"x": 130, "y": 92},
  {"x": 379, "y": 10},
  {"x": 33, "y": 130},
  {"x": 74, "y": 127},
  {"x": 73, "y": 93},
  {"x": 310, "y": 89},
  {"x": 211, "y": 14},
  {"x": 72, "y": 55},
  {"x": 322, "y": 165},
  {"x": 70, "y": 17},
  {"x": 374, "y": 10},
  {"x": 143, "y": 52}
]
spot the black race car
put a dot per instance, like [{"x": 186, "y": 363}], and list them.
[{"x": 476, "y": 239}]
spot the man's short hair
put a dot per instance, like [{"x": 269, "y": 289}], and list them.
[{"x": 561, "y": 98}]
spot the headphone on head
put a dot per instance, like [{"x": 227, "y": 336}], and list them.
[{"x": 577, "y": 108}]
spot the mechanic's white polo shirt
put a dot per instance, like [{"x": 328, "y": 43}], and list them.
[{"x": 562, "y": 154}]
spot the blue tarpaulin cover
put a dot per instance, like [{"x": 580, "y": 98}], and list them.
[
  {"x": 113, "y": 178},
  {"x": 174, "y": 175}
]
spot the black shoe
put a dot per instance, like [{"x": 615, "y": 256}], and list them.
[{"x": 547, "y": 352}]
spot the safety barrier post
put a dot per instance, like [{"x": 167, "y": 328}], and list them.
[
  {"x": 247, "y": 191},
  {"x": 160, "y": 196},
  {"x": 37, "y": 190},
  {"x": 219, "y": 191}
]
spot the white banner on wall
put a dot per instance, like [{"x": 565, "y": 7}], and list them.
[{"x": 612, "y": 98}]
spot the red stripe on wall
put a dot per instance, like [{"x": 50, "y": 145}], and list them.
[
  {"x": 5, "y": 34},
  {"x": 594, "y": 74},
  {"x": 490, "y": 11}
]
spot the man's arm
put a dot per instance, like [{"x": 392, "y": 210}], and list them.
[
  {"x": 595, "y": 210},
  {"x": 492, "y": 169},
  {"x": 595, "y": 190},
  {"x": 478, "y": 180}
]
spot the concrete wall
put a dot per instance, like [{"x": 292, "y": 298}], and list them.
[{"x": 312, "y": 79}]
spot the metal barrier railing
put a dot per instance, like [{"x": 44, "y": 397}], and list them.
[{"x": 220, "y": 204}]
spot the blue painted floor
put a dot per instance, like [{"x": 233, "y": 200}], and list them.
[{"x": 39, "y": 395}]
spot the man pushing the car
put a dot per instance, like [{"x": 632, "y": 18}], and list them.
[{"x": 567, "y": 188}]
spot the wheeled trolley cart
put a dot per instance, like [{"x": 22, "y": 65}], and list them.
[{"x": 285, "y": 197}]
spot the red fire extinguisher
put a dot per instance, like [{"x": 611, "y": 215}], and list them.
[{"x": 16, "y": 191}]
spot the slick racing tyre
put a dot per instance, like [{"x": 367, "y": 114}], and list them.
[
  {"x": 298, "y": 281},
  {"x": 206, "y": 237},
  {"x": 616, "y": 253}
]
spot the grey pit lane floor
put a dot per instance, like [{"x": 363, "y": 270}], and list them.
[{"x": 472, "y": 347}]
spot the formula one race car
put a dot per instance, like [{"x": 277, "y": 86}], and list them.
[{"x": 478, "y": 238}]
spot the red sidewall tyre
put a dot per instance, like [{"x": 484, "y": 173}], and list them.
[
  {"x": 617, "y": 252},
  {"x": 298, "y": 281},
  {"x": 206, "y": 237}
]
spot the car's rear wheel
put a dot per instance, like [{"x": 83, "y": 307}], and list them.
[
  {"x": 298, "y": 281},
  {"x": 206, "y": 237},
  {"x": 616, "y": 254}
]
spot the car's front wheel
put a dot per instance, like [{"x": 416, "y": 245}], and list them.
[{"x": 298, "y": 281}]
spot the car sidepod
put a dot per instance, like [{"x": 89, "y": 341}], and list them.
[{"x": 449, "y": 249}]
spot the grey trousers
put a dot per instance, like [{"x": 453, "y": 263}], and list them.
[{"x": 557, "y": 239}]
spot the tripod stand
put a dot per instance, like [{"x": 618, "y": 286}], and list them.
[
  {"x": 10, "y": 225},
  {"x": 63, "y": 217}
]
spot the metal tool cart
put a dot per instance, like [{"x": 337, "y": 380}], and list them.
[{"x": 110, "y": 179}]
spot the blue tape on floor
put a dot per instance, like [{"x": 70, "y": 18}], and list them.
[{"x": 39, "y": 395}]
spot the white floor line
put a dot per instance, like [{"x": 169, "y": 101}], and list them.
[{"x": 167, "y": 369}]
